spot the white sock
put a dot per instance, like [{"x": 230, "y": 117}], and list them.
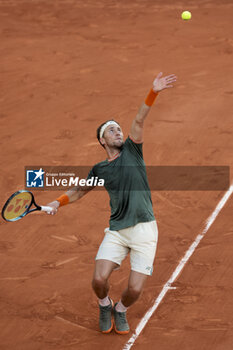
[
  {"x": 105, "y": 301},
  {"x": 120, "y": 307}
]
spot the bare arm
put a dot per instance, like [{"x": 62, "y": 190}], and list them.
[
  {"x": 159, "y": 84},
  {"x": 136, "y": 130},
  {"x": 73, "y": 194},
  {"x": 76, "y": 193}
]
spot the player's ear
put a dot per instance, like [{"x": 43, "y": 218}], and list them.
[{"x": 102, "y": 141}]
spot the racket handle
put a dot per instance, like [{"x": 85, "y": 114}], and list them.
[{"x": 47, "y": 209}]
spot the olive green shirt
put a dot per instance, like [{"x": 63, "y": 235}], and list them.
[{"x": 125, "y": 179}]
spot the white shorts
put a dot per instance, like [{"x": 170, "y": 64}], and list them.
[{"x": 140, "y": 240}]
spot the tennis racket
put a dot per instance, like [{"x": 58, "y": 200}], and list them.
[{"x": 19, "y": 205}]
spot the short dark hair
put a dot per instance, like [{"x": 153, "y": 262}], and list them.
[{"x": 99, "y": 128}]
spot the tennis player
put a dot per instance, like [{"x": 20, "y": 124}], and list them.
[{"x": 132, "y": 226}]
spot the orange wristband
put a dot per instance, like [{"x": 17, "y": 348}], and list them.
[
  {"x": 151, "y": 98},
  {"x": 63, "y": 200}
]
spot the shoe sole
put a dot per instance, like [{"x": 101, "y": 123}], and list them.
[{"x": 120, "y": 332}]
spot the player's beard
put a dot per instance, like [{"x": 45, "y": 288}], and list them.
[{"x": 118, "y": 145}]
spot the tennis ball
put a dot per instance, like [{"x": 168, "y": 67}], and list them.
[{"x": 186, "y": 15}]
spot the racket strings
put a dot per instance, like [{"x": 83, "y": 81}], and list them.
[{"x": 17, "y": 206}]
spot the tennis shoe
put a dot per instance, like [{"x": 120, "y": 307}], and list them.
[
  {"x": 105, "y": 318},
  {"x": 121, "y": 325}
]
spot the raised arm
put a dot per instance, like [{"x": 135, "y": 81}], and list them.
[{"x": 160, "y": 83}]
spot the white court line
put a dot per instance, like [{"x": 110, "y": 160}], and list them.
[{"x": 178, "y": 270}]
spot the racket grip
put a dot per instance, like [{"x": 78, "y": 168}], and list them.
[{"x": 47, "y": 209}]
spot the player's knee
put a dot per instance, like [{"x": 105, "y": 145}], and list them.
[{"x": 99, "y": 281}]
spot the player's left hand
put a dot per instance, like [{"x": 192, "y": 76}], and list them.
[{"x": 160, "y": 83}]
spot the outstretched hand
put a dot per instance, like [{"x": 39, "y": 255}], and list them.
[
  {"x": 160, "y": 83},
  {"x": 55, "y": 206}
]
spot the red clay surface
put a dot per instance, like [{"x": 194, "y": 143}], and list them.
[{"x": 66, "y": 66}]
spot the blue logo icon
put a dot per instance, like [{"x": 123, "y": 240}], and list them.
[{"x": 35, "y": 178}]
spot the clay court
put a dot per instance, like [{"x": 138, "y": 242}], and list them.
[{"x": 67, "y": 66}]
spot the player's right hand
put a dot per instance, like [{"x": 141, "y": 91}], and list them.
[{"x": 55, "y": 206}]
